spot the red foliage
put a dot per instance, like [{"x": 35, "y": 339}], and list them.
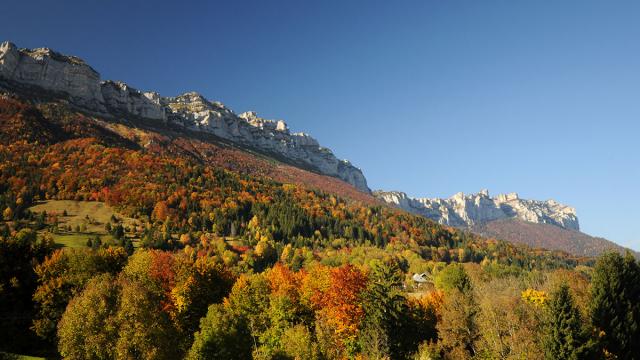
[
  {"x": 240, "y": 249},
  {"x": 161, "y": 270},
  {"x": 341, "y": 302}
]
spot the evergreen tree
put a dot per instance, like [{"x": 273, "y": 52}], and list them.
[
  {"x": 118, "y": 232},
  {"x": 128, "y": 246},
  {"x": 96, "y": 243},
  {"x": 615, "y": 305},
  {"x": 384, "y": 305},
  {"x": 564, "y": 330}
]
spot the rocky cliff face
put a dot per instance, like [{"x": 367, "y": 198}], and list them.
[
  {"x": 69, "y": 78},
  {"x": 468, "y": 211},
  {"x": 53, "y": 72}
]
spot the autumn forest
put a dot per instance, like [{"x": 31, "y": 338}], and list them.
[{"x": 205, "y": 251}]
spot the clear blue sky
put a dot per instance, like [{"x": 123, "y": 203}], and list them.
[{"x": 430, "y": 97}]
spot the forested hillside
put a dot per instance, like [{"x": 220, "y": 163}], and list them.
[
  {"x": 216, "y": 252},
  {"x": 550, "y": 237}
]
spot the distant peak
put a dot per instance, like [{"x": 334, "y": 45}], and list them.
[
  {"x": 468, "y": 210},
  {"x": 7, "y": 45}
]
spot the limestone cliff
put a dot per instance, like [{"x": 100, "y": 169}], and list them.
[
  {"x": 56, "y": 73},
  {"x": 45, "y": 73},
  {"x": 468, "y": 211}
]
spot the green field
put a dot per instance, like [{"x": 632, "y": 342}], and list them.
[
  {"x": 86, "y": 219},
  {"x": 75, "y": 240},
  {"x": 18, "y": 357},
  {"x": 92, "y": 214}
]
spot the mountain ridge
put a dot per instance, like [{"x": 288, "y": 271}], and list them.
[
  {"x": 187, "y": 122},
  {"x": 70, "y": 78},
  {"x": 52, "y": 123},
  {"x": 467, "y": 210},
  {"x": 539, "y": 224}
]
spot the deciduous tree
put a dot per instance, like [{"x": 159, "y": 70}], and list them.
[
  {"x": 222, "y": 335},
  {"x": 87, "y": 329}
]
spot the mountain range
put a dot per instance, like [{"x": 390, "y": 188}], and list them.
[
  {"x": 470, "y": 210},
  {"x": 542, "y": 224},
  {"x": 48, "y": 74},
  {"x": 207, "y": 130}
]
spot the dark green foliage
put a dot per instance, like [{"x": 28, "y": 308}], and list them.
[
  {"x": 222, "y": 336},
  {"x": 95, "y": 243},
  {"x": 118, "y": 232},
  {"x": 417, "y": 326},
  {"x": 155, "y": 238},
  {"x": 615, "y": 310},
  {"x": 392, "y": 328},
  {"x": 128, "y": 246},
  {"x": 564, "y": 339},
  {"x": 384, "y": 306},
  {"x": 18, "y": 254}
]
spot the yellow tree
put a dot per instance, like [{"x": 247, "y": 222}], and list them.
[{"x": 7, "y": 214}]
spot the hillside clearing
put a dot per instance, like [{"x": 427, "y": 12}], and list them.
[
  {"x": 83, "y": 220},
  {"x": 92, "y": 214}
]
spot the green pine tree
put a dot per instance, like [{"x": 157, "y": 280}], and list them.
[
  {"x": 615, "y": 305},
  {"x": 128, "y": 246},
  {"x": 384, "y": 306},
  {"x": 564, "y": 338},
  {"x": 118, "y": 232}
]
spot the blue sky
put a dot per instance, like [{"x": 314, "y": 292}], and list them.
[{"x": 430, "y": 97}]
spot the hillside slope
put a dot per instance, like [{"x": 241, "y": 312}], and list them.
[
  {"x": 52, "y": 122},
  {"x": 548, "y": 236},
  {"x": 179, "y": 185},
  {"x": 56, "y": 107},
  {"x": 45, "y": 75}
]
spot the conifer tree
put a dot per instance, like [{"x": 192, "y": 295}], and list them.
[
  {"x": 384, "y": 306},
  {"x": 564, "y": 336},
  {"x": 615, "y": 309}
]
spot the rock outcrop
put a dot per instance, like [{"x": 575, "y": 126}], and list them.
[
  {"x": 195, "y": 112},
  {"x": 53, "y": 72},
  {"x": 31, "y": 71},
  {"x": 121, "y": 99},
  {"x": 468, "y": 211}
]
